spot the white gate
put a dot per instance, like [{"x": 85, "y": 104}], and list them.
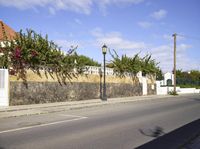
[
  {"x": 4, "y": 87},
  {"x": 144, "y": 85}
]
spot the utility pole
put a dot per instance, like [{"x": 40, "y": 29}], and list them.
[{"x": 174, "y": 35}]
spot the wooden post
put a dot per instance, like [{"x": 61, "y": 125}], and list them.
[{"x": 174, "y": 35}]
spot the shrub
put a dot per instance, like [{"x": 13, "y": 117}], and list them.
[{"x": 174, "y": 93}]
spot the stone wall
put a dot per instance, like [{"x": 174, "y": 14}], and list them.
[
  {"x": 151, "y": 89},
  {"x": 46, "y": 92},
  {"x": 45, "y": 89}
]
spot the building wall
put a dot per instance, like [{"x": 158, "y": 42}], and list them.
[
  {"x": 4, "y": 87},
  {"x": 167, "y": 76}
]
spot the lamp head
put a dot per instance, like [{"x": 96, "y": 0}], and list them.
[{"x": 104, "y": 49}]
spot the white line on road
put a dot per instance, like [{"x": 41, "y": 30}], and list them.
[
  {"x": 67, "y": 115},
  {"x": 42, "y": 125}
]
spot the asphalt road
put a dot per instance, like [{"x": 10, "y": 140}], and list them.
[{"x": 120, "y": 126}]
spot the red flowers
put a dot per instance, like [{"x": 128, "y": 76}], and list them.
[
  {"x": 1, "y": 50},
  {"x": 17, "y": 53},
  {"x": 34, "y": 53}
]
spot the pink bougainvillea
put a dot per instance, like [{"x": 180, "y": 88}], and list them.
[
  {"x": 34, "y": 53},
  {"x": 31, "y": 51},
  {"x": 17, "y": 53}
]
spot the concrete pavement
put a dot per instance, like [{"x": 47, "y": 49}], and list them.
[{"x": 13, "y": 111}]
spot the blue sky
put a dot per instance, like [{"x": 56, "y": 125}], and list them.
[{"x": 128, "y": 26}]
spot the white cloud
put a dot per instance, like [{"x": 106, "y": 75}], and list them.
[
  {"x": 97, "y": 32},
  {"x": 164, "y": 55},
  {"x": 145, "y": 24},
  {"x": 80, "y": 6},
  {"x": 183, "y": 47},
  {"x": 78, "y": 21},
  {"x": 160, "y": 14},
  {"x": 52, "y": 11},
  {"x": 168, "y": 37},
  {"x": 104, "y": 3},
  {"x": 67, "y": 44},
  {"x": 116, "y": 41},
  {"x": 148, "y": 3}
]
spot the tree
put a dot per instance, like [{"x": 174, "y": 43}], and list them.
[
  {"x": 30, "y": 51},
  {"x": 149, "y": 65},
  {"x": 132, "y": 65},
  {"x": 86, "y": 61},
  {"x": 188, "y": 79},
  {"x": 159, "y": 75}
]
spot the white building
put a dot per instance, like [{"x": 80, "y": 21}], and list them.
[{"x": 168, "y": 79}]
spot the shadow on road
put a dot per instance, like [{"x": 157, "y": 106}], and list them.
[
  {"x": 196, "y": 99},
  {"x": 175, "y": 139},
  {"x": 155, "y": 132}
]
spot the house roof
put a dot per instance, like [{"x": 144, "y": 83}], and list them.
[{"x": 6, "y": 32}]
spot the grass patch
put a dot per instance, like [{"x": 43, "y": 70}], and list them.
[
  {"x": 189, "y": 86},
  {"x": 174, "y": 93}
]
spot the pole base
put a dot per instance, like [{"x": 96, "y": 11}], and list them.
[{"x": 104, "y": 98}]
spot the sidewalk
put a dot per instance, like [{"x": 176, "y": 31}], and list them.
[{"x": 14, "y": 111}]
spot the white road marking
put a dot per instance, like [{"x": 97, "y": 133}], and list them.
[
  {"x": 42, "y": 125},
  {"x": 67, "y": 115}
]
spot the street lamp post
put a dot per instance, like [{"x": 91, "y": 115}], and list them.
[
  {"x": 100, "y": 84},
  {"x": 104, "y": 50}
]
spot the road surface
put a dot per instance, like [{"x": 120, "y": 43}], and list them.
[{"x": 119, "y": 126}]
